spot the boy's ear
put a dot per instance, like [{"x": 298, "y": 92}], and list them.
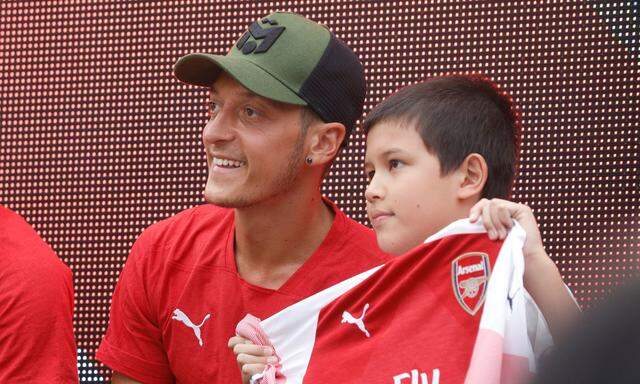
[
  {"x": 325, "y": 141},
  {"x": 473, "y": 176}
]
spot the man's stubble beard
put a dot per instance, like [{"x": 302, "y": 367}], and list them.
[{"x": 282, "y": 183}]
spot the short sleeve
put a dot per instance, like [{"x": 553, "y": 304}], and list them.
[
  {"x": 36, "y": 319},
  {"x": 132, "y": 345}
]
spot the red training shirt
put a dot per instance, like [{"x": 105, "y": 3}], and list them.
[
  {"x": 179, "y": 296},
  {"x": 36, "y": 308}
]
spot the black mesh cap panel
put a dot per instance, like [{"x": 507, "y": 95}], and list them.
[{"x": 335, "y": 89}]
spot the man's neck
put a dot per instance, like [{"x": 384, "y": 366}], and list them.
[{"x": 273, "y": 239}]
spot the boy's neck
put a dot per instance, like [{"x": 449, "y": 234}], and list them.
[
  {"x": 463, "y": 209},
  {"x": 460, "y": 211}
]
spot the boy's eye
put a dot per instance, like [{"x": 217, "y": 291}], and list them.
[
  {"x": 370, "y": 175},
  {"x": 394, "y": 163}
]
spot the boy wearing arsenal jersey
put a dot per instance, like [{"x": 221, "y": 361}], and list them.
[{"x": 447, "y": 149}]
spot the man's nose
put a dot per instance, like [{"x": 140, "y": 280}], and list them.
[{"x": 218, "y": 129}]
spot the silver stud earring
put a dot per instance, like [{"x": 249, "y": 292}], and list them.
[{"x": 308, "y": 160}]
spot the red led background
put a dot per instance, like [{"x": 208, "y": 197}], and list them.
[{"x": 98, "y": 140}]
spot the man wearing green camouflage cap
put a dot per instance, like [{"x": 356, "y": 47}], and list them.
[{"x": 282, "y": 103}]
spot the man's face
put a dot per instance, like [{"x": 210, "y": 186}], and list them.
[
  {"x": 408, "y": 199},
  {"x": 254, "y": 146}
]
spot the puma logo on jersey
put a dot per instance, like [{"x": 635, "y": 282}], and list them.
[
  {"x": 416, "y": 377},
  {"x": 359, "y": 322},
  {"x": 183, "y": 318}
]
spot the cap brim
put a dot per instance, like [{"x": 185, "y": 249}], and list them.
[{"x": 202, "y": 69}]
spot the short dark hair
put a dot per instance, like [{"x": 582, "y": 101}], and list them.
[{"x": 457, "y": 115}]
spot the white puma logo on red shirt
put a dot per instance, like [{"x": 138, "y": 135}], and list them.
[
  {"x": 359, "y": 322},
  {"x": 182, "y": 317}
]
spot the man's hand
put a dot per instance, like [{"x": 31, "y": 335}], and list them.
[
  {"x": 251, "y": 358},
  {"x": 541, "y": 276}
]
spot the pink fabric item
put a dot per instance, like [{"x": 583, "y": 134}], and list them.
[
  {"x": 489, "y": 365},
  {"x": 250, "y": 329},
  {"x": 486, "y": 361}
]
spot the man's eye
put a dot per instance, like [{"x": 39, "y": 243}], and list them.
[
  {"x": 213, "y": 108},
  {"x": 250, "y": 112}
]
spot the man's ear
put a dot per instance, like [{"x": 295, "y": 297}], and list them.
[
  {"x": 473, "y": 176},
  {"x": 325, "y": 140}
]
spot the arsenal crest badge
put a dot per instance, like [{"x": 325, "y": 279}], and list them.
[{"x": 470, "y": 274}]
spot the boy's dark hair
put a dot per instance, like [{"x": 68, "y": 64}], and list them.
[{"x": 457, "y": 115}]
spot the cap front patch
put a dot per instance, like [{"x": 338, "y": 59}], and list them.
[
  {"x": 267, "y": 35},
  {"x": 469, "y": 275}
]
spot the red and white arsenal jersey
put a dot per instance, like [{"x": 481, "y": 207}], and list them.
[
  {"x": 179, "y": 296},
  {"x": 413, "y": 320}
]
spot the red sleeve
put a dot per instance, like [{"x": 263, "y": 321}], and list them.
[
  {"x": 132, "y": 345},
  {"x": 36, "y": 317}
]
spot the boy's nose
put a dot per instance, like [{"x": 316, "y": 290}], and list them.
[{"x": 373, "y": 192}]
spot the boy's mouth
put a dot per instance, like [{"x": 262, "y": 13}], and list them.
[{"x": 379, "y": 217}]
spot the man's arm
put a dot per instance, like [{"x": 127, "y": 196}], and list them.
[
  {"x": 132, "y": 344},
  {"x": 541, "y": 276}
]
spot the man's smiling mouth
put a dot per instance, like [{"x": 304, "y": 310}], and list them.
[{"x": 227, "y": 163}]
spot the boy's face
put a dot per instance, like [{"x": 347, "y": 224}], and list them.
[{"x": 407, "y": 198}]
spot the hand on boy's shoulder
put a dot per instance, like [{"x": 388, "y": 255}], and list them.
[{"x": 497, "y": 217}]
